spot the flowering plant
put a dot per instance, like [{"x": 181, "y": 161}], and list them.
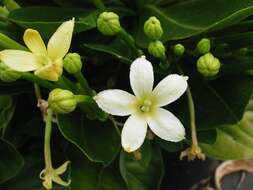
[{"x": 121, "y": 88}]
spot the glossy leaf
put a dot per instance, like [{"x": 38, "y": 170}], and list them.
[
  {"x": 28, "y": 178},
  {"x": 7, "y": 108},
  {"x": 89, "y": 175},
  {"x": 233, "y": 141},
  {"x": 221, "y": 101},
  {"x": 98, "y": 141},
  {"x": 144, "y": 174},
  {"x": 181, "y": 20},
  {"x": 32, "y": 17},
  {"x": 11, "y": 162}
]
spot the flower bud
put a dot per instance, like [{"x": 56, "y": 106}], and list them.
[
  {"x": 62, "y": 101},
  {"x": 157, "y": 49},
  {"x": 7, "y": 74},
  {"x": 108, "y": 23},
  {"x": 178, "y": 49},
  {"x": 72, "y": 63},
  {"x": 208, "y": 65},
  {"x": 203, "y": 46},
  {"x": 153, "y": 28}
]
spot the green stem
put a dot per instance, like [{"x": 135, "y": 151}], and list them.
[
  {"x": 99, "y": 5},
  {"x": 192, "y": 118},
  {"x": 35, "y": 79},
  {"x": 130, "y": 41},
  {"x": 191, "y": 108},
  {"x": 37, "y": 91},
  {"x": 83, "y": 82},
  {"x": 48, "y": 131},
  {"x": 82, "y": 98}
]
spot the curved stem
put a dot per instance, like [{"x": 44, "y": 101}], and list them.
[
  {"x": 191, "y": 108},
  {"x": 48, "y": 131},
  {"x": 192, "y": 117}
]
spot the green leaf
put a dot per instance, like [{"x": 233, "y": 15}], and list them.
[
  {"x": 221, "y": 101},
  {"x": 7, "y": 108},
  {"x": 28, "y": 178},
  {"x": 182, "y": 21},
  {"x": 11, "y": 162},
  {"x": 144, "y": 174},
  {"x": 110, "y": 50},
  {"x": 89, "y": 175},
  {"x": 98, "y": 141},
  {"x": 47, "y": 19},
  {"x": 233, "y": 141}
]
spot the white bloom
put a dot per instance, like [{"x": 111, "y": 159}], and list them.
[{"x": 145, "y": 107}]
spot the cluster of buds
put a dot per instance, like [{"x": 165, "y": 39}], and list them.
[{"x": 154, "y": 31}]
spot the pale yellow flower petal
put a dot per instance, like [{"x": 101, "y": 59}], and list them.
[
  {"x": 19, "y": 60},
  {"x": 51, "y": 71},
  {"x": 59, "y": 44},
  {"x": 34, "y": 42}
]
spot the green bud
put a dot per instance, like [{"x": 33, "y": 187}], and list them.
[
  {"x": 178, "y": 49},
  {"x": 72, "y": 63},
  {"x": 62, "y": 101},
  {"x": 7, "y": 74},
  {"x": 157, "y": 49},
  {"x": 203, "y": 46},
  {"x": 153, "y": 28},
  {"x": 208, "y": 65},
  {"x": 11, "y": 5},
  {"x": 108, "y": 23}
]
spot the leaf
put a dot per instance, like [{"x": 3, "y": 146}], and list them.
[
  {"x": 233, "y": 141},
  {"x": 221, "y": 101},
  {"x": 35, "y": 17},
  {"x": 98, "y": 141},
  {"x": 144, "y": 174},
  {"x": 182, "y": 21},
  {"x": 89, "y": 175},
  {"x": 7, "y": 108},
  {"x": 11, "y": 162},
  {"x": 28, "y": 178},
  {"x": 109, "y": 50}
]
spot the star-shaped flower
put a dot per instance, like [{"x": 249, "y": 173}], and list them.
[
  {"x": 46, "y": 62},
  {"x": 145, "y": 107}
]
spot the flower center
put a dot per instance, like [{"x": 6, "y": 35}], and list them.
[
  {"x": 146, "y": 106},
  {"x": 42, "y": 59}
]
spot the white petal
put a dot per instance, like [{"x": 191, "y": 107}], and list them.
[
  {"x": 170, "y": 89},
  {"x": 134, "y": 132},
  {"x": 141, "y": 77},
  {"x": 19, "y": 60},
  {"x": 34, "y": 42},
  {"x": 166, "y": 126},
  {"x": 59, "y": 44},
  {"x": 116, "y": 102}
]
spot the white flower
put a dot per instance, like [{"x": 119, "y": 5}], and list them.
[{"x": 145, "y": 107}]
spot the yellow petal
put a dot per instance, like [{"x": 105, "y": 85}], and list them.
[
  {"x": 34, "y": 42},
  {"x": 59, "y": 44},
  {"x": 19, "y": 60},
  {"x": 50, "y": 71}
]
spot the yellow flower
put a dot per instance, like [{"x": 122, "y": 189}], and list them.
[{"x": 47, "y": 63}]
